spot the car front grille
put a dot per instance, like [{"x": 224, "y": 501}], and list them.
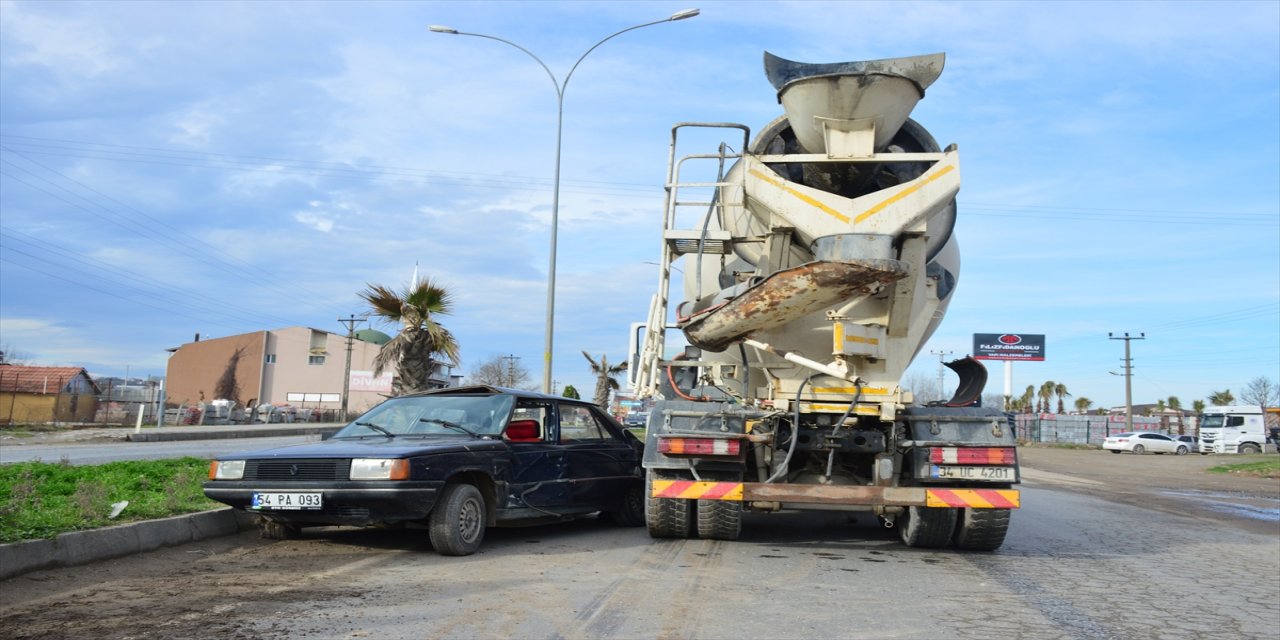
[{"x": 298, "y": 470}]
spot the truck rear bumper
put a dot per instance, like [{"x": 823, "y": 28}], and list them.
[{"x": 838, "y": 495}]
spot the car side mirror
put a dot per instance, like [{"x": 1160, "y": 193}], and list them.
[{"x": 522, "y": 431}]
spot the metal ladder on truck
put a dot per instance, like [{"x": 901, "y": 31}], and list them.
[{"x": 678, "y": 242}]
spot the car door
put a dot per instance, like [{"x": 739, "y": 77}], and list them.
[
  {"x": 1155, "y": 442},
  {"x": 602, "y": 463},
  {"x": 539, "y": 471}
]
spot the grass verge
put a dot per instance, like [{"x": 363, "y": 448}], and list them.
[
  {"x": 43, "y": 499},
  {"x": 1261, "y": 469}
]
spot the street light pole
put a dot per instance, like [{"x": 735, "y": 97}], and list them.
[{"x": 555, "y": 191}]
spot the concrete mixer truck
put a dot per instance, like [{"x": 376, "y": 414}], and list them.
[{"x": 816, "y": 260}]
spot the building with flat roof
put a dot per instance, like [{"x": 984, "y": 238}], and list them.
[{"x": 298, "y": 366}]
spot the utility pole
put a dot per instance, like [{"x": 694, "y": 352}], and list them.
[
  {"x": 1128, "y": 377},
  {"x": 941, "y": 354},
  {"x": 511, "y": 368},
  {"x": 350, "y": 324}
]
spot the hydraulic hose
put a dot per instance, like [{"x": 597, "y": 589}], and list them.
[
  {"x": 795, "y": 435},
  {"x": 831, "y": 455}
]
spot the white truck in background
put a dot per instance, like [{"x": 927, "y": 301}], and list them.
[{"x": 1232, "y": 429}]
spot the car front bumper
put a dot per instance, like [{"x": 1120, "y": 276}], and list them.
[{"x": 344, "y": 503}]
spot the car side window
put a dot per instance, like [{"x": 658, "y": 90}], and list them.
[
  {"x": 577, "y": 424},
  {"x": 537, "y": 410}
]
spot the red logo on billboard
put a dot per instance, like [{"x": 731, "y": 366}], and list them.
[{"x": 1009, "y": 338}]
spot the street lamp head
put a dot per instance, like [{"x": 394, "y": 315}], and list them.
[
  {"x": 681, "y": 15},
  {"x": 441, "y": 29}
]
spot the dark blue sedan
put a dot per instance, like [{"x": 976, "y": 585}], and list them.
[{"x": 453, "y": 460}]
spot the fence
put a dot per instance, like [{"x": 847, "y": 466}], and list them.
[{"x": 1081, "y": 429}]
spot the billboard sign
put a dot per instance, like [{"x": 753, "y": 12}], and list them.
[{"x": 1008, "y": 346}]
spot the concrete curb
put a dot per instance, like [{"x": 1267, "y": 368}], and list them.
[
  {"x": 260, "y": 432},
  {"x": 83, "y": 547}
]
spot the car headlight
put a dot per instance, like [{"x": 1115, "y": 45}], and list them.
[
  {"x": 226, "y": 469},
  {"x": 379, "y": 469}
]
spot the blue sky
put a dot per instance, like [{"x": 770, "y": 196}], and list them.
[{"x": 220, "y": 167}]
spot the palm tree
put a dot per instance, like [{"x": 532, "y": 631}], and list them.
[
  {"x": 1060, "y": 390},
  {"x": 1197, "y": 407},
  {"x": 1176, "y": 405},
  {"x": 420, "y": 337},
  {"x": 1221, "y": 398},
  {"x": 1046, "y": 394},
  {"x": 1082, "y": 404},
  {"x": 1028, "y": 399},
  {"x": 604, "y": 378}
]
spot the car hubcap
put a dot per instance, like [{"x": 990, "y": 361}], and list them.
[{"x": 469, "y": 520}]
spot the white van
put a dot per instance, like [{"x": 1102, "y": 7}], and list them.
[{"x": 1232, "y": 429}]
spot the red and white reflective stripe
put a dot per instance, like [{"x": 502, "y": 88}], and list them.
[
  {"x": 699, "y": 446},
  {"x": 972, "y": 455}
]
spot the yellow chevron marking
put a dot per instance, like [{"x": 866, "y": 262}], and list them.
[
  {"x": 902, "y": 194},
  {"x": 866, "y": 391},
  {"x": 803, "y": 198}
]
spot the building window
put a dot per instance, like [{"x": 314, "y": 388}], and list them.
[
  {"x": 271, "y": 358},
  {"x": 315, "y": 359}
]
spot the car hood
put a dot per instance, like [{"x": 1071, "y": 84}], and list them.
[{"x": 374, "y": 447}]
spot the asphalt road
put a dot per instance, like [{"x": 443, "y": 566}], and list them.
[
  {"x": 1086, "y": 557},
  {"x": 111, "y": 451}
]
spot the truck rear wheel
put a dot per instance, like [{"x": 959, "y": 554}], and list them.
[
  {"x": 719, "y": 519},
  {"x": 666, "y": 517},
  {"x": 981, "y": 529},
  {"x": 927, "y": 527}
]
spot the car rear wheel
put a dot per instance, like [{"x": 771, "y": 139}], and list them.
[
  {"x": 1139, "y": 449},
  {"x": 456, "y": 525},
  {"x": 1115, "y": 451},
  {"x": 630, "y": 513}
]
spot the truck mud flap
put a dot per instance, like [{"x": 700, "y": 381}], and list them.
[{"x": 820, "y": 494}]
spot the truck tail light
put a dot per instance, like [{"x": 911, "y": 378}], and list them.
[
  {"x": 700, "y": 446},
  {"x": 973, "y": 455}
]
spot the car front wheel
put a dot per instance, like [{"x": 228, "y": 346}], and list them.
[
  {"x": 456, "y": 525},
  {"x": 271, "y": 529},
  {"x": 1182, "y": 450}
]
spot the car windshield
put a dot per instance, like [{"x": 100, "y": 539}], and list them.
[
  {"x": 464, "y": 415},
  {"x": 1211, "y": 421}
]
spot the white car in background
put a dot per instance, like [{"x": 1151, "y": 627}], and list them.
[{"x": 1143, "y": 442}]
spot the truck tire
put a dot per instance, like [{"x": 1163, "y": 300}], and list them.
[
  {"x": 719, "y": 519},
  {"x": 666, "y": 517},
  {"x": 277, "y": 530},
  {"x": 927, "y": 527},
  {"x": 981, "y": 529},
  {"x": 456, "y": 525},
  {"x": 1249, "y": 447}
]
